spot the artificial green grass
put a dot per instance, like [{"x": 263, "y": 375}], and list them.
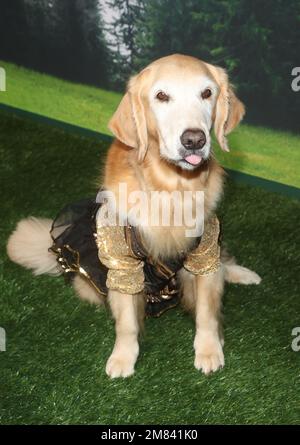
[
  {"x": 258, "y": 151},
  {"x": 57, "y": 346}
]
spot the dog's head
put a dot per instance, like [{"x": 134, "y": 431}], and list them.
[{"x": 176, "y": 100}]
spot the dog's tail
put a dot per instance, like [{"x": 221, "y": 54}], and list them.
[
  {"x": 28, "y": 246},
  {"x": 234, "y": 273}
]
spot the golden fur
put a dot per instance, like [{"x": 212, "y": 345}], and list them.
[{"x": 134, "y": 158}]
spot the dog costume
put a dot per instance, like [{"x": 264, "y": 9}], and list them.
[{"x": 115, "y": 257}]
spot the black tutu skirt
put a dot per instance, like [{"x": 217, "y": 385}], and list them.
[{"x": 73, "y": 233}]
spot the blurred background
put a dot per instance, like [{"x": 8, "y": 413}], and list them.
[{"x": 101, "y": 43}]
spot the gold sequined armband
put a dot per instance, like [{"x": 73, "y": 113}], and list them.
[
  {"x": 205, "y": 259},
  {"x": 125, "y": 273}
]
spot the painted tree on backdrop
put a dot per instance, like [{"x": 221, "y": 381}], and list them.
[
  {"x": 121, "y": 31},
  {"x": 257, "y": 42}
]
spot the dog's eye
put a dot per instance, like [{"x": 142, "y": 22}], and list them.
[
  {"x": 163, "y": 97},
  {"x": 206, "y": 93}
]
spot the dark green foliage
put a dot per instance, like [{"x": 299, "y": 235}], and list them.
[
  {"x": 57, "y": 346},
  {"x": 64, "y": 38},
  {"x": 165, "y": 27},
  {"x": 14, "y": 30},
  {"x": 257, "y": 42}
]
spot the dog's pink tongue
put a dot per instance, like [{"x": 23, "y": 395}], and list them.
[{"x": 193, "y": 159}]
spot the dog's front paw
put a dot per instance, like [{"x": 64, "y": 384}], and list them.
[
  {"x": 119, "y": 366},
  {"x": 209, "y": 355}
]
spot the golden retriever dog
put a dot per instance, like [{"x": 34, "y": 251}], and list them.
[{"x": 162, "y": 130}]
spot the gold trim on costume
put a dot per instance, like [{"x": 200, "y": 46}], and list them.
[
  {"x": 125, "y": 273},
  {"x": 205, "y": 259},
  {"x": 75, "y": 266}
]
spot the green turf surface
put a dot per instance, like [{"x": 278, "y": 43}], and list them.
[
  {"x": 57, "y": 346},
  {"x": 257, "y": 151}
]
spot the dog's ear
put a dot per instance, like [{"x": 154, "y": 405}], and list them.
[
  {"x": 128, "y": 123},
  {"x": 122, "y": 124},
  {"x": 229, "y": 109}
]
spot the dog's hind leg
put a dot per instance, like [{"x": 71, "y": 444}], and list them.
[
  {"x": 241, "y": 275},
  {"x": 125, "y": 309},
  {"x": 233, "y": 273},
  {"x": 86, "y": 291}
]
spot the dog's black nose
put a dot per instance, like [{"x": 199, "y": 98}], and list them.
[{"x": 193, "y": 139}]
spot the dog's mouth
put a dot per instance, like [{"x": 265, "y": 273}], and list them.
[
  {"x": 193, "y": 159},
  {"x": 189, "y": 160}
]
